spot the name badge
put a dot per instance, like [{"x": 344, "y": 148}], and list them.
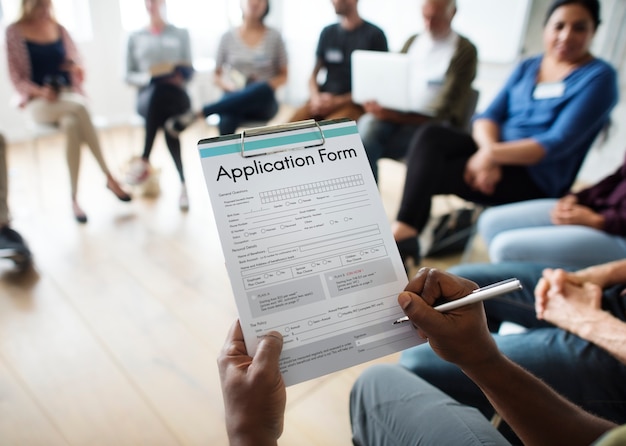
[
  {"x": 334, "y": 55},
  {"x": 549, "y": 90}
]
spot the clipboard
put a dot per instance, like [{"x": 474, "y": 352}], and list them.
[
  {"x": 307, "y": 244},
  {"x": 275, "y": 130}
]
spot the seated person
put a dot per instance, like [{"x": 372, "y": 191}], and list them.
[
  {"x": 389, "y": 405},
  {"x": 531, "y": 140},
  {"x": 158, "y": 63},
  {"x": 333, "y": 98},
  {"x": 575, "y": 340},
  {"x": 446, "y": 63},
  {"x": 578, "y": 230},
  {"x": 251, "y": 64},
  {"x": 45, "y": 69},
  {"x": 12, "y": 245}
]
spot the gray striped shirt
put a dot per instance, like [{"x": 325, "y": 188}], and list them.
[{"x": 260, "y": 63}]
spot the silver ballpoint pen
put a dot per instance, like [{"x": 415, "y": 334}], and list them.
[{"x": 479, "y": 294}]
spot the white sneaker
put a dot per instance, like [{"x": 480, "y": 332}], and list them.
[
  {"x": 183, "y": 201},
  {"x": 176, "y": 124}
]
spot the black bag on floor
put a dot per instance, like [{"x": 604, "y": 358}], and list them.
[{"x": 452, "y": 231}]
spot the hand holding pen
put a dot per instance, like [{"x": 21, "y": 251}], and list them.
[
  {"x": 478, "y": 295},
  {"x": 461, "y": 336}
]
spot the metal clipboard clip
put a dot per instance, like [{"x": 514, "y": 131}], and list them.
[{"x": 276, "y": 131}]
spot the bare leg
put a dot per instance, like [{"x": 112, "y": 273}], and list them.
[{"x": 403, "y": 231}]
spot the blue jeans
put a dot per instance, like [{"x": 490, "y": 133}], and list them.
[
  {"x": 577, "y": 369},
  {"x": 391, "y": 406},
  {"x": 383, "y": 139},
  {"x": 523, "y": 232},
  {"x": 255, "y": 102}
]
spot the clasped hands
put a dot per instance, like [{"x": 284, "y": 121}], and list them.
[
  {"x": 481, "y": 173},
  {"x": 50, "y": 92},
  {"x": 567, "y": 301},
  {"x": 567, "y": 211}
]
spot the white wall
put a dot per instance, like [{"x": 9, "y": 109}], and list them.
[{"x": 300, "y": 22}]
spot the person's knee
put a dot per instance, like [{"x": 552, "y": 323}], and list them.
[
  {"x": 470, "y": 271},
  {"x": 427, "y": 134},
  {"x": 350, "y": 111},
  {"x": 374, "y": 386},
  {"x": 265, "y": 92},
  {"x": 302, "y": 113},
  {"x": 271, "y": 110},
  {"x": 408, "y": 358},
  {"x": 69, "y": 123},
  {"x": 76, "y": 106},
  {"x": 228, "y": 124},
  {"x": 371, "y": 376},
  {"x": 504, "y": 247},
  {"x": 415, "y": 359},
  {"x": 485, "y": 224}
]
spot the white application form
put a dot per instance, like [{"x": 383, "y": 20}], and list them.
[{"x": 307, "y": 245}]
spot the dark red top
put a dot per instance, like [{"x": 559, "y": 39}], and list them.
[{"x": 608, "y": 198}]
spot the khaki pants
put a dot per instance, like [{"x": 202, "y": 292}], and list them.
[
  {"x": 70, "y": 113},
  {"x": 351, "y": 111}
]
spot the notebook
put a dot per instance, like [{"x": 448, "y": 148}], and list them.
[{"x": 383, "y": 77}]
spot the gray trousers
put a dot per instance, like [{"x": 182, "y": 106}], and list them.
[{"x": 389, "y": 405}]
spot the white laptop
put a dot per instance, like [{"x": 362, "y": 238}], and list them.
[{"x": 383, "y": 77}]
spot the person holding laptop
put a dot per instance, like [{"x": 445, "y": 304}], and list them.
[
  {"x": 445, "y": 66},
  {"x": 333, "y": 98}
]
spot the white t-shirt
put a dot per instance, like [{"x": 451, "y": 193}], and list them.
[{"x": 430, "y": 60}]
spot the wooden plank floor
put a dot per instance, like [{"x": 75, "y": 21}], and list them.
[{"x": 112, "y": 337}]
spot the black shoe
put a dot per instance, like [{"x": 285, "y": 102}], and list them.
[
  {"x": 13, "y": 247},
  {"x": 118, "y": 191},
  {"x": 81, "y": 218},
  {"x": 79, "y": 214},
  {"x": 409, "y": 248},
  {"x": 176, "y": 124}
]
